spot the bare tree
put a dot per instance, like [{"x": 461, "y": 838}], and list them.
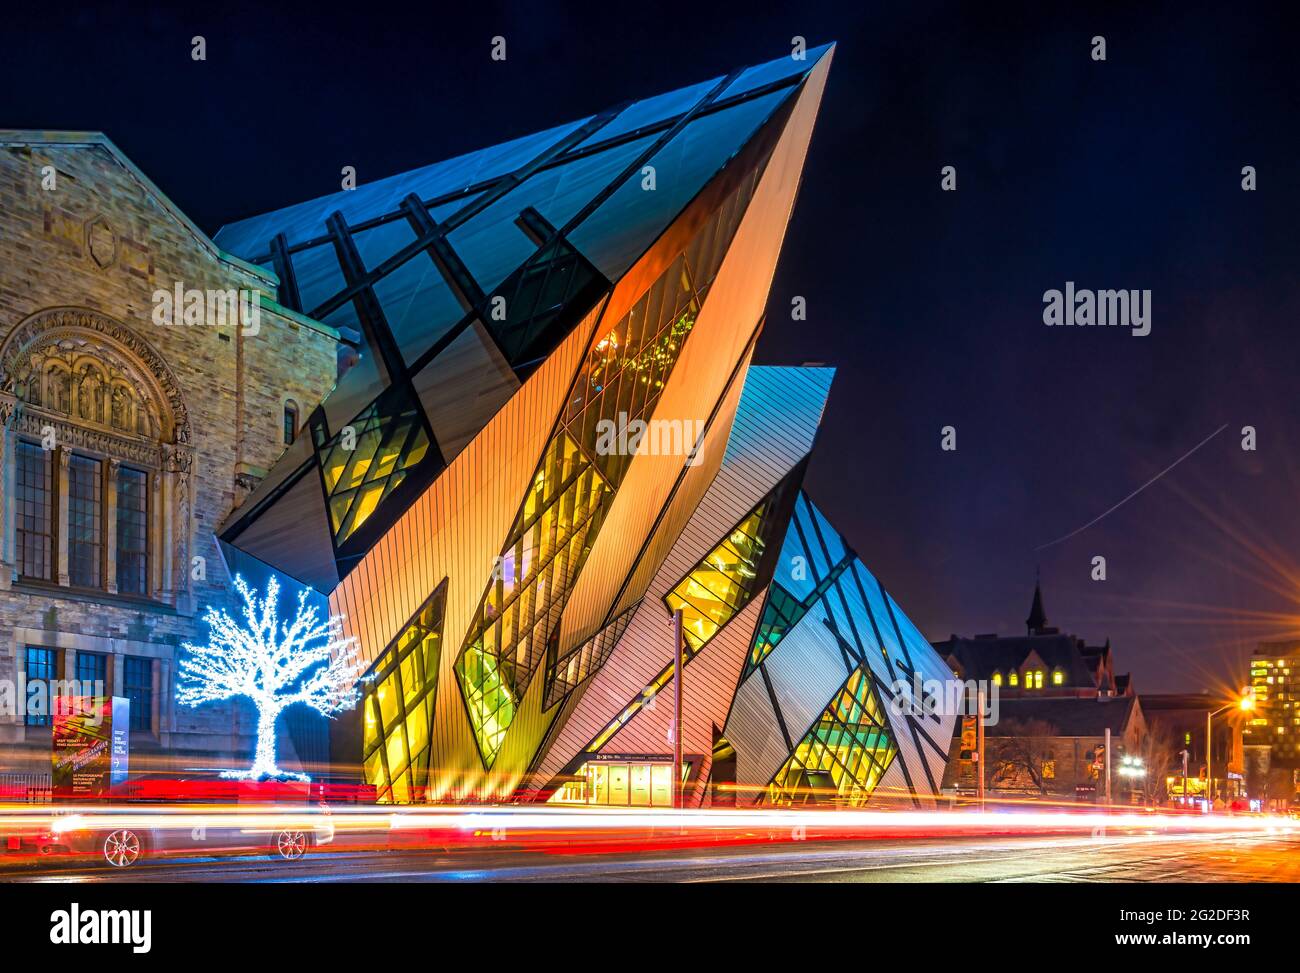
[
  {"x": 1019, "y": 752},
  {"x": 1158, "y": 751}
]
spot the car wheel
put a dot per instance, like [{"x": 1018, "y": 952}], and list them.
[
  {"x": 291, "y": 844},
  {"x": 122, "y": 848}
]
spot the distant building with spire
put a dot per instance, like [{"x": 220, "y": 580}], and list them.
[{"x": 1043, "y": 663}]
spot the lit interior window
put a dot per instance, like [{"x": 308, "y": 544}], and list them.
[
  {"x": 723, "y": 582},
  {"x": 368, "y": 460},
  {"x": 397, "y": 708},
  {"x": 844, "y": 755}
]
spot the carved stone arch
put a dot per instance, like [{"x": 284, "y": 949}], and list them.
[{"x": 51, "y": 325}]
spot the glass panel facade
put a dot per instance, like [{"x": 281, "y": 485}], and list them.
[
  {"x": 843, "y": 756},
  {"x": 85, "y": 521},
  {"x": 397, "y": 707},
  {"x": 33, "y": 510},
  {"x": 132, "y": 531},
  {"x": 724, "y": 582},
  {"x": 783, "y": 612},
  {"x": 547, "y": 284},
  {"x": 566, "y": 674},
  {"x": 621, "y": 381},
  {"x": 623, "y": 783},
  {"x": 369, "y": 458},
  {"x": 714, "y": 592}
]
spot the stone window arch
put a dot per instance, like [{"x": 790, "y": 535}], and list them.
[{"x": 103, "y": 398}]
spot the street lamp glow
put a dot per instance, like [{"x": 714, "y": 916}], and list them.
[{"x": 1131, "y": 766}]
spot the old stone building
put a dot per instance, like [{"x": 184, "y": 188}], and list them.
[
  {"x": 1050, "y": 749},
  {"x": 126, "y": 436},
  {"x": 1044, "y": 663}
]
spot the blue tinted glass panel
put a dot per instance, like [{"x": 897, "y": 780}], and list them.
[
  {"x": 418, "y": 304},
  {"x": 376, "y": 245},
  {"x": 782, "y": 67},
  {"x": 651, "y": 110},
  {"x": 319, "y": 276},
  {"x": 630, "y": 220},
  {"x": 251, "y": 238}
]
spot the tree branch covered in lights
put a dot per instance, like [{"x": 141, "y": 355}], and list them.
[{"x": 275, "y": 664}]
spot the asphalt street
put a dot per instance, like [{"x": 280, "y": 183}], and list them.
[{"x": 1082, "y": 858}]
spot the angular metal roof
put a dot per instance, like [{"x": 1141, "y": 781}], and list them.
[{"x": 459, "y": 278}]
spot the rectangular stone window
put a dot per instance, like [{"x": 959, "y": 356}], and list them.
[
  {"x": 132, "y": 531},
  {"x": 42, "y": 667},
  {"x": 34, "y": 511},
  {"x": 85, "y": 522},
  {"x": 92, "y": 673},
  {"x": 137, "y": 685}
]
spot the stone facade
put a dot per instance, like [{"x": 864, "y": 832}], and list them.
[{"x": 91, "y": 384}]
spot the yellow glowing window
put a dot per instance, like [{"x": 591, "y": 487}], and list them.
[
  {"x": 723, "y": 582},
  {"x": 1058, "y": 677},
  {"x": 367, "y": 459},
  {"x": 621, "y": 380},
  {"x": 397, "y": 707},
  {"x": 997, "y": 679},
  {"x": 843, "y": 757},
  {"x": 1014, "y": 679}
]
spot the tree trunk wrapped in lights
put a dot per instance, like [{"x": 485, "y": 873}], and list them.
[{"x": 274, "y": 664}]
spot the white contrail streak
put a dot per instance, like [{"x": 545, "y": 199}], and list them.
[{"x": 1153, "y": 479}]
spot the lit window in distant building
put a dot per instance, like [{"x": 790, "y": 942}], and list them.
[
  {"x": 1038, "y": 678},
  {"x": 997, "y": 679},
  {"x": 1014, "y": 679},
  {"x": 1058, "y": 678}
]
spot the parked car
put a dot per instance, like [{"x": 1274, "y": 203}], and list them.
[{"x": 170, "y": 817}]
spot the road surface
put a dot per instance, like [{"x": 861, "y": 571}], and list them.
[{"x": 1115, "y": 858}]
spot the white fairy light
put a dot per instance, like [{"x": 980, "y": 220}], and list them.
[{"x": 274, "y": 664}]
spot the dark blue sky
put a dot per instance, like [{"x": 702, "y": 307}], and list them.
[{"x": 1122, "y": 174}]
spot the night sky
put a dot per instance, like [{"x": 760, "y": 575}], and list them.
[{"x": 1121, "y": 174}]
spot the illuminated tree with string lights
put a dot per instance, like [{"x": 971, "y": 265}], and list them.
[{"x": 275, "y": 664}]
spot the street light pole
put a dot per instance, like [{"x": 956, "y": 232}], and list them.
[
  {"x": 1246, "y": 704},
  {"x": 979, "y": 746},
  {"x": 678, "y": 790},
  {"x": 1209, "y": 773},
  {"x": 1107, "y": 768}
]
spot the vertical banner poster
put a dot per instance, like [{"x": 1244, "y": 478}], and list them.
[
  {"x": 120, "y": 724},
  {"x": 82, "y": 728}
]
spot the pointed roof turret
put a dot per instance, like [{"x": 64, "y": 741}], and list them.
[{"x": 1037, "y": 620}]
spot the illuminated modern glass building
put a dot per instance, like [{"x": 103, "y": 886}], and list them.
[
  {"x": 552, "y": 438},
  {"x": 1275, "y": 722}
]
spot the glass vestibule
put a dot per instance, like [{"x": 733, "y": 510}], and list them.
[{"x": 620, "y": 783}]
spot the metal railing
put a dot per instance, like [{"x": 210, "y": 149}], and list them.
[{"x": 31, "y": 788}]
